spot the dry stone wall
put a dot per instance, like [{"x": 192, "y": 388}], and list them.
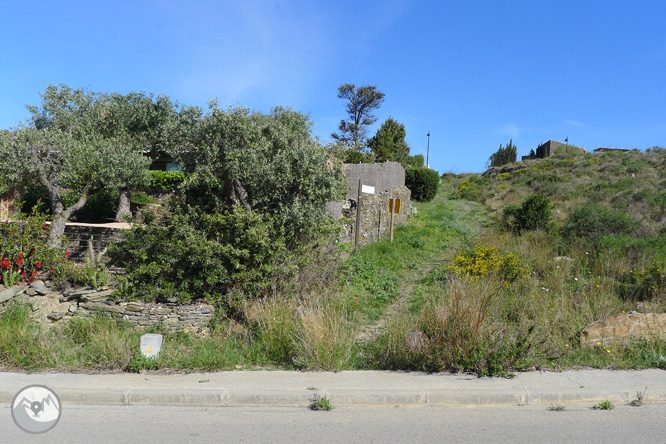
[{"x": 52, "y": 306}]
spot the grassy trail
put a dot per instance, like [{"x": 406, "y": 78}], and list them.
[{"x": 428, "y": 240}]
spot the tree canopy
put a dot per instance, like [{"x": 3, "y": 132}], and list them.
[
  {"x": 361, "y": 102},
  {"x": 504, "y": 155},
  {"x": 389, "y": 143}
]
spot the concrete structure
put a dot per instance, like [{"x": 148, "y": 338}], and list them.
[
  {"x": 388, "y": 179},
  {"x": 551, "y": 147}
]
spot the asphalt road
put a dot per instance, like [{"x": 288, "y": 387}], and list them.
[{"x": 529, "y": 424}]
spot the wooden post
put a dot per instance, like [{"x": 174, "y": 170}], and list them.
[
  {"x": 392, "y": 211},
  {"x": 358, "y": 217}
]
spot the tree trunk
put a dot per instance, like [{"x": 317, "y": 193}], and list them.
[
  {"x": 57, "y": 231},
  {"x": 124, "y": 212}
]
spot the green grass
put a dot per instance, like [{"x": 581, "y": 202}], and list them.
[{"x": 604, "y": 405}]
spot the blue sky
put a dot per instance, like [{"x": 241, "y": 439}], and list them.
[{"x": 473, "y": 73}]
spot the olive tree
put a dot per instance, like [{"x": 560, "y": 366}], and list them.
[
  {"x": 147, "y": 123},
  {"x": 59, "y": 161}
]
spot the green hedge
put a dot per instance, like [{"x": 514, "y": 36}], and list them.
[
  {"x": 422, "y": 182},
  {"x": 166, "y": 180}
]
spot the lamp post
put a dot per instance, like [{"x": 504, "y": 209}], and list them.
[{"x": 428, "y": 152}]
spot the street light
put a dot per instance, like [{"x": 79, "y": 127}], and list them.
[{"x": 428, "y": 152}]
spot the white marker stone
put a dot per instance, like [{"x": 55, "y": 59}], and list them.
[{"x": 151, "y": 344}]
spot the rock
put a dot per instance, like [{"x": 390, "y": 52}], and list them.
[
  {"x": 8, "y": 293},
  {"x": 56, "y": 315},
  {"x": 72, "y": 308},
  {"x": 30, "y": 292},
  {"x": 623, "y": 328},
  {"x": 96, "y": 296},
  {"x": 39, "y": 288},
  {"x": 81, "y": 292}
]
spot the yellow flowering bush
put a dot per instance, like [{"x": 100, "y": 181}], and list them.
[{"x": 482, "y": 261}]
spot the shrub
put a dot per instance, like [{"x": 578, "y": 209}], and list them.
[
  {"x": 354, "y": 156},
  {"x": 416, "y": 161},
  {"x": 534, "y": 213},
  {"x": 422, "y": 182},
  {"x": 218, "y": 256},
  {"x": 166, "y": 180},
  {"x": 483, "y": 261},
  {"x": 24, "y": 251},
  {"x": 593, "y": 222}
]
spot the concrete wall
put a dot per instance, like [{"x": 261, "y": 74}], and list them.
[{"x": 382, "y": 176}]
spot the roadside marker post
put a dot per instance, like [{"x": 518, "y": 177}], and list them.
[{"x": 394, "y": 207}]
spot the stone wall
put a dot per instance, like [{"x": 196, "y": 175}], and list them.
[
  {"x": 52, "y": 307},
  {"x": 78, "y": 236},
  {"x": 375, "y": 216}
]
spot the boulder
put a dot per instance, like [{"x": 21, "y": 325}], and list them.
[{"x": 623, "y": 328}]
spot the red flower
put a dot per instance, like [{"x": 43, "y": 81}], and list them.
[
  {"x": 32, "y": 250},
  {"x": 38, "y": 264},
  {"x": 34, "y": 273},
  {"x": 32, "y": 280},
  {"x": 11, "y": 232},
  {"x": 66, "y": 253},
  {"x": 21, "y": 255},
  {"x": 51, "y": 270},
  {"x": 24, "y": 274},
  {"x": 46, "y": 227},
  {"x": 19, "y": 261},
  {"x": 62, "y": 258}
]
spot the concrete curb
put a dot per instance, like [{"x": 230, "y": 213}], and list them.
[
  {"x": 344, "y": 389},
  {"x": 341, "y": 398}
]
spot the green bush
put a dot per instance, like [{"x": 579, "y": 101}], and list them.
[
  {"x": 218, "y": 256},
  {"x": 534, "y": 213},
  {"x": 166, "y": 180},
  {"x": 422, "y": 182},
  {"x": 593, "y": 223},
  {"x": 416, "y": 161},
  {"x": 354, "y": 156}
]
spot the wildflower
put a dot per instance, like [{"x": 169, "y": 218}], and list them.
[
  {"x": 598, "y": 343},
  {"x": 19, "y": 261},
  {"x": 575, "y": 279},
  {"x": 32, "y": 250},
  {"x": 51, "y": 270},
  {"x": 21, "y": 255},
  {"x": 34, "y": 273},
  {"x": 11, "y": 232},
  {"x": 38, "y": 264},
  {"x": 31, "y": 280},
  {"x": 46, "y": 227},
  {"x": 567, "y": 345},
  {"x": 24, "y": 275},
  {"x": 66, "y": 253}
]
